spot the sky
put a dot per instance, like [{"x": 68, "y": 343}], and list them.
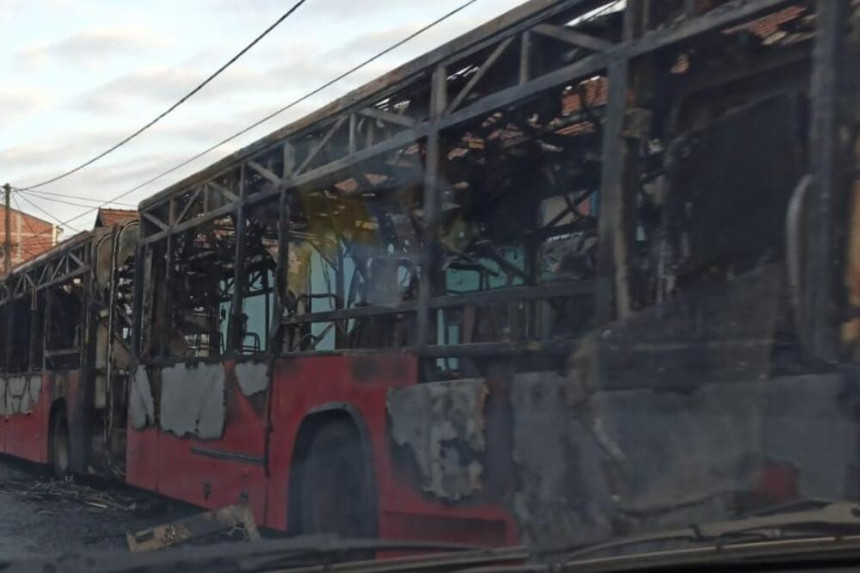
[{"x": 80, "y": 75}]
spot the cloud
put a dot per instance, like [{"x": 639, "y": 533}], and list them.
[
  {"x": 8, "y": 8},
  {"x": 164, "y": 86},
  {"x": 18, "y": 102},
  {"x": 90, "y": 46},
  {"x": 29, "y": 163}
]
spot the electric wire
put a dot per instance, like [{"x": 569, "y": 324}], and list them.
[
  {"x": 277, "y": 112},
  {"x": 178, "y": 103}
]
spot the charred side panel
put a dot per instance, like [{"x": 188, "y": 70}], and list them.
[
  {"x": 441, "y": 428},
  {"x": 711, "y": 332},
  {"x": 588, "y": 465},
  {"x": 562, "y": 491}
]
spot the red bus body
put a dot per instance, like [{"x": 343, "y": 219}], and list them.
[{"x": 555, "y": 281}]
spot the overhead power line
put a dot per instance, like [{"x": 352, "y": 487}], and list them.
[
  {"x": 28, "y": 253},
  {"x": 53, "y": 199},
  {"x": 278, "y": 111},
  {"x": 47, "y": 214},
  {"x": 182, "y": 100},
  {"x": 47, "y": 195}
]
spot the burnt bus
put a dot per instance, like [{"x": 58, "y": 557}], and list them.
[
  {"x": 589, "y": 269},
  {"x": 65, "y": 326}
]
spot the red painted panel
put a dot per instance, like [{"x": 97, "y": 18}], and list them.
[
  {"x": 141, "y": 450},
  {"x": 303, "y": 385},
  {"x": 206, "y": 481},
  {"x": 179, "y": 468},
  {"x": 184, "y": 468}
]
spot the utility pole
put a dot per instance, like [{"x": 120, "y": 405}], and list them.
[{"x": 7, "y": 244}]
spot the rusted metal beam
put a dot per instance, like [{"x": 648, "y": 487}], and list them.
[
  {"x": 321, "y": 145},
  {"x": 479, "y": 74},
  {"x": 181, "y": 216},
  {"x": 353, "y": 134},
  {"x": 431, "y": 207},
  {"x": 223, "y": 191},
  {"x": 388, "y": 116},
  {"x": 612, "y": 295},
  {"x": 567, "y": 289},
  {"x": 283, "y": 264},
  {"x": 220, "y": 212},
  {"x": 525, "y": 71},
  {"x": 266, "y": 173},
  {"x": 513, "y": 22},
  {"x": 288, "y": 152},
  {"x": 573, "y": 37},
  {"x": 831, "y": 167},
  {"x": 732, "y": 13},
  {"x": 560, "y": 347},
  {"x": 240, "y": 275},
  {"x": 158, "y": 222}
]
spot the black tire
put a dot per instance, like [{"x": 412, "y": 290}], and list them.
[
  {"x": 336, "y": 494},
  {"x": 60, "y": 444}
]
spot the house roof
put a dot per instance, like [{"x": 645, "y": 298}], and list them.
[
  {"x": 111, "y": 217},
  {"x": 25, "y": 214}
]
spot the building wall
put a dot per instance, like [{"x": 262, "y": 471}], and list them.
[{"x": 30, "y": 236}]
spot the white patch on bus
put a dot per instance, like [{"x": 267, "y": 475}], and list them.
[
  {"x": 19, "y": 394},
  {"x": 141, "y": 407},
  {"x": 192, "y": 400},
  {"x": 253, "y": 377}
]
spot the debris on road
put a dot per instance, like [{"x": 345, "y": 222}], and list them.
[
  {"x": 230, "y": 519},
  {"x": 67, "y": 491}
]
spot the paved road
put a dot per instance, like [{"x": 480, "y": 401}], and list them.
[{"x": 43, "y": 516}]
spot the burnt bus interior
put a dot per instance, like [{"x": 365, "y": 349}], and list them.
[
  {"x": 66, "y": 318},
  {"x": 585, "y": 162},
  {"x": 43, "y": 312}
]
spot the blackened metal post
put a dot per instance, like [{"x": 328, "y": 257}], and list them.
[
  {"x": 236, "y": 328},
  {"x": 829, "y": 166},
  {"x": 7, "y": 243},
  {"x": 438, "y": 103},
  {"x": 611, "y": 293}
]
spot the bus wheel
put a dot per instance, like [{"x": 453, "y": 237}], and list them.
[
  {"x": 60, "y": 444},
  {"x": 336, "y": 493}
]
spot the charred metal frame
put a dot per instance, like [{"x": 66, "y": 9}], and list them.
[
  {"x": 72, "y": 260},
  {"x": 832, "y": 167},
  {"x": 311, "y": 156}
]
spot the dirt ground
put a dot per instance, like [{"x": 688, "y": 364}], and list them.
[{"x": 43, "y": 516}]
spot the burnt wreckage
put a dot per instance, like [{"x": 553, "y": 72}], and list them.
[{"x": 592, "y": 265}]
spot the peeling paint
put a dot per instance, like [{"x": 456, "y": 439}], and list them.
[
  {"x": 253, "y": 377},
  {"x": 141, "y": 407},
  {"x": 192, "y": 400},
  {"x": 19, "y": 394},
  {"x": 442, "y": 426}
]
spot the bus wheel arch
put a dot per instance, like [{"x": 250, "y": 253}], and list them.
[
  {"x": 59, "y": 442},
  {"x": 330, "y": 436}
]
